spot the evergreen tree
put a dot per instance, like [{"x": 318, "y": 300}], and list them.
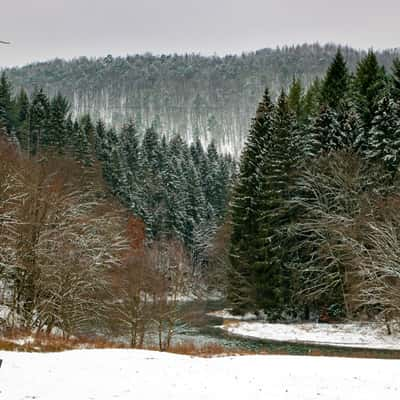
[
  {"x": 100, "y": 140},
  {"x": 6, "y": 103},
  {"x": 213, "y": 189},
  {"x": 385, "y": 134},
  {"x": 150, "y": 155},
  {"x": 336, "y": 83},
  {"x": 311, "y": 102},
  {"x": 151, "y": 184},
  {"x": 39, "y": 130},
  {"x": 22, "y": 114},
  {"x": 197, "y": 152},
  {"x": 395, "y": 79},
  {"x": 350, "y": 127},
  {"x": 80, "y": 144},
  {"x": 175, "y": 199},
  {"x": 295, "y": 99},
  {"x": 369, "y": 82},
  {"x": 324, "y": 133},
  {"x": 130, "y": 147},
  {"x": 110, "y": 167},
  {"x": 89, "y": 131},
  {"x": 245, "y": 210},
  {"x": 272, "y": 277},
  {"x": 58, "y": 134}
]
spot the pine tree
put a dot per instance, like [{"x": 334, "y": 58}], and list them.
[
  {"x": 100, "y": 140},
  {"x": 80, "y": 144},
  {"x": 212, "y": 183},
  {"x": 295, "y": 99},
  {"x": 350, "y": 127},
  {"x": 312, "y": 98},
  {"x": 151, "y": 185},
  {"x": 384, "y": 135},
  {"x": 245, "y": 211},
  {"x": 336, "y": 83},
  {"x": 395, "y": 79},
  {"x": 89, "y": 131},
  {"x": 272, "y": 278},
  {"x": 6, "y": 103},
  {"x": 39, "y": 131},
  {"x": 22, "y": 117},
  {"x": 58, "y": 134},
  {"x": 130, "y": 147},
  {"x": 175, "y": 196},
  {"x": 369, "y": 82},
  {"x": 197, "y": 152},
  {"x": 150, "y": 155},
  {"x": 323, "y": 133}
]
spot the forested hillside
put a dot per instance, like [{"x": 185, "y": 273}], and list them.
[
  {"x": 92, "y": 215},
  {"x": 193, "y": 95},
  {"x": 175, "y": 188}
]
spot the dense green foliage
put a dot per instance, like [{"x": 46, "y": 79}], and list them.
[{"x": 317, "y": 166}]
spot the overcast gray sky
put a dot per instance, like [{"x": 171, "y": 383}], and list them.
[{"x": 45, "y": 29}]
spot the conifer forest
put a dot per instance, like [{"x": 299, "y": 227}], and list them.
[{"x": 111, "y": 225}]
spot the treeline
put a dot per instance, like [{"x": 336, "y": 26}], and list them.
[
  {"x": 315, "y": 221},
  {"x": 180, "y": 191},
  {"x": 191, "y": 95}
]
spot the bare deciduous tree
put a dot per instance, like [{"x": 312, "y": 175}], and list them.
[
  {"x": 62, "y": 242},
  {"x": 336, "y": 196},
  {"x": 173, "y": 281}
]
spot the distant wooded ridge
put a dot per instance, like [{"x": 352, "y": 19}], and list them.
[{"x": 210, "y": 97}]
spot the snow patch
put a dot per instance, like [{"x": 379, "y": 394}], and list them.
[
  {"x": 363, "y": 335},
  {"x": 226, "y": 314}
]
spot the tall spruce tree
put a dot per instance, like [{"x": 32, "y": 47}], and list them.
[
  {"x": 246, "y": 211},
  {"x": 350, "y": 127},
  {"x": 58, "y": 134},
  {"x": 39, "y": 129},
  {"x": 312, "y": 99},
  {"x": 6, "y": 103},
  {"x": 395, "y": 79},
  {"x": 100, "y": 140},
  {"x": 295, "y": 99},
  {"x": 80, "y": 144},
  {"x": 369, "y": 82},
  {"x": 130, "y": 146},
  {"x": 384, "y": 135},
  {"x": 22, "y": 118},
  {"x": 323, "y": 134},
  {"x": 272, "y": 277},
  {"x": 336, "y": 83}
]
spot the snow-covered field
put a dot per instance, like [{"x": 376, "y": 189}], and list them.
[
  {"x": 135, "y": 374},
  {"x": 372, "y": 336}
]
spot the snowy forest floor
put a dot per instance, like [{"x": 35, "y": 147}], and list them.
[
  {"x": 351, "y": 334},
  {"x": 130, "y": 374}
]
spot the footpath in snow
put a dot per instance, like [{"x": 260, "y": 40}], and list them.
[
  {"x": 135, "y": 374},
  {"x": 372, "y": 336}
]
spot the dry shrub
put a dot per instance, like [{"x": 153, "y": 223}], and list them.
[{"x": 23, "y": 340}]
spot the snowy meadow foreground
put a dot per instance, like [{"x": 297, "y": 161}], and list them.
[{"x": 130, "y": 374}]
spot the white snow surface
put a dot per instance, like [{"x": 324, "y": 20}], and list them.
[
  {"x": 368, "y": 335},
  {"x": 226, "y": 314},
  {"x": 135, "y": 374}
]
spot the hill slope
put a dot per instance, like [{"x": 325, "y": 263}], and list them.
[{"x": 213, "y": 97}]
